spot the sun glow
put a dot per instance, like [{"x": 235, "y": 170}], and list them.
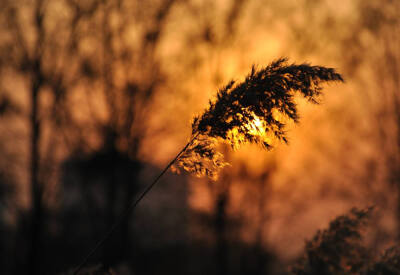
[{"x": 256, "y": 127}]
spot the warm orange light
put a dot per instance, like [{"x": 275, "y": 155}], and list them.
[{"x": 256, "y": 127}]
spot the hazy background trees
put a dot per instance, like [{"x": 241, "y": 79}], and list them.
[
  {"x": 96, "y": 94},
  {"x": 363, "y": 39}
]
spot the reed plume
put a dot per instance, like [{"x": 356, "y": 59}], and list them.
[{"x": 253, "y": 111}]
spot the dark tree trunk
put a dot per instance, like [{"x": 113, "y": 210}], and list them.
[
  {"x": 220, "y": 233},
  {"x": 264, "y": 191},
  {"x": 36, "y": 188},
  {"x": 37, "y": 211},
  {"x": 397, "y": 164},
  {"x": 259, "y": 249},
  {"x": 397, "y": 185}
]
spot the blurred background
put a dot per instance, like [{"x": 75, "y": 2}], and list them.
[{"x": 96, "y": 96}]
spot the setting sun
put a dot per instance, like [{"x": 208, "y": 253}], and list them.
[{"x": 256, "y": 127}]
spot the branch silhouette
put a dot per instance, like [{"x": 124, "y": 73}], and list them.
[{"x": 253, "y": 111}]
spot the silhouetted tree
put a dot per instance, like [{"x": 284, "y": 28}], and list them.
[
  {"x": 124, "y": 74},
  {"x": 259, "y": 192},
  {"x": 37, "y": 48}
]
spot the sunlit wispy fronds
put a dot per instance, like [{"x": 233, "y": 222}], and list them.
[
  {"x": 201, "y": 158},
  {"x": 254, "y": 111}
]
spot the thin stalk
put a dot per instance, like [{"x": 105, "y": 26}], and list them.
[{"x": 130, "y": 208}]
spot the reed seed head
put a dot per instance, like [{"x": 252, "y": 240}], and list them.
[{"x": 253, "y": 111}]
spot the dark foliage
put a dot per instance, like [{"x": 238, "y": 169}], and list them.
[
  {"x": 339, "y": 250},
  {"x": 388, "y": 264}
]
